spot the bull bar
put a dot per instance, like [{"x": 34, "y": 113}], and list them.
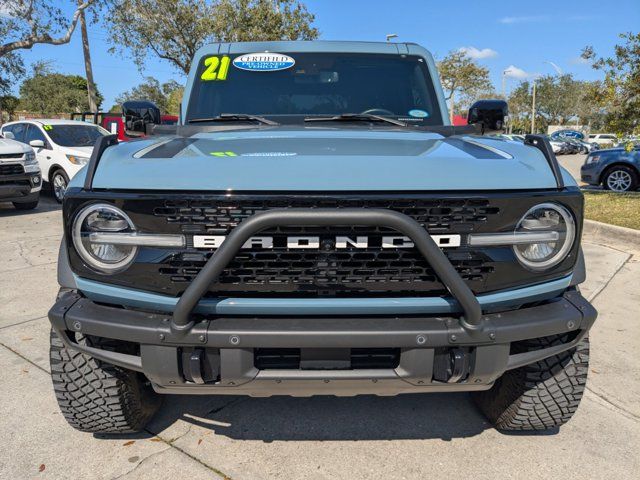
[{"x": 161, "y": 335}]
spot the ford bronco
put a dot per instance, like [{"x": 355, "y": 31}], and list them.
[{"x": 313, "y": 225}]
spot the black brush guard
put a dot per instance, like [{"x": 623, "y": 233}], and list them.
[
  {"x": 161, "y": 336},
  {"x": 471, "y": 320}
]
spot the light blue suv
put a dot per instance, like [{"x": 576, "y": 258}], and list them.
[{"x": 315, "y": 226}]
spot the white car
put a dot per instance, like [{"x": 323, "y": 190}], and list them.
[
  {"x": 20, "y": 178},
  {"x": 603, "y": 139},
  {"x": 62, "y": 147}
]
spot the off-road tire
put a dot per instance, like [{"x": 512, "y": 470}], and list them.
[
  {"x": 540, "y": 396},
  {"x": 98, "y": 397},
  {"x": 25, "y": 205}
]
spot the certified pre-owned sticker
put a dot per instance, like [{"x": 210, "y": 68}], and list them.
[{"x": 263, "y": 62}]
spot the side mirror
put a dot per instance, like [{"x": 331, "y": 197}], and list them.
[
  {"x": 37, "y": 143},
  {"x": 8, "y": 135},
  {"x": 137, "y": 115},
  {"x": 490, "y": 114}
]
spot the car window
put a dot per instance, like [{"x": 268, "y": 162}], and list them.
[
  {"x": 75, "y": 135},
  {"x": 33, "y": 132},
  {"x": 609, "y": 137},
  {"x": 18, "y": 130}
]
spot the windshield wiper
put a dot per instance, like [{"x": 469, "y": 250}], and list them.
[
  {"x": 235, "y": 117},
  {"x": 356, "y": 117}
]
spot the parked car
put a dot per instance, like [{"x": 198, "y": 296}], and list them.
[
  {"x": 334, "y": 237},
  {"x": 20, "y": 178},
  {"x": 603, "y": 139},
  {"x": 578, "y": 146},
  {"x": 615, "y": 169},
  {"x": 559, "y": 147},
  {"x": 113, "y": 122},
  {"x": 62, "y": 147}
]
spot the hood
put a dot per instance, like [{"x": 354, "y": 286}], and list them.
[
  {"x": 323, "y": 159},
  {"x": 8, "y": 146},
  {"x": 79, "y": 151}
]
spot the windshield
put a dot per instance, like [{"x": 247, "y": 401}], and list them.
[
  {"x": 317, "y": 84},
  {"x": 75, "y": 135}
]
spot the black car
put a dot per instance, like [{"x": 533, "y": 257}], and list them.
[{"x": 615, "y": 169}]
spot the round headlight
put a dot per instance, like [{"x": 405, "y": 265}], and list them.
[
  {"x": 104, "y": 257},
  {"x": 546, "y": 217}
]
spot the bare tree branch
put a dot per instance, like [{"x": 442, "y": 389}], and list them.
[{"x": 36, "y": 38}]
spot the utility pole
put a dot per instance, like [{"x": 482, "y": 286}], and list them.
[
  {"x": 91, "y": 89},
  {"x": 533, "y": 108},
  {"x": 453, "y": 93}
]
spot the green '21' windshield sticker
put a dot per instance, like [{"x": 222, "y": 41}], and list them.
[
  {"x": 47, "y": 127},
  {"x": 216, "y": 68}
]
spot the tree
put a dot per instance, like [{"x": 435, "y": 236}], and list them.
[
  {"x": 520, "y": 100},
  {"x": 173, "y": 30},
  {"x": 560, "y": 100},
  {"x": 463, "y": 78},
  {"x": 166, "y": 96},
  {"x": 9, "y": 104},
  {"x": 25, "y": 23},
  {"x": 174, "y": 100},
  {"x": 50, "y": 93},
  {"x": 621, "y": 86}
]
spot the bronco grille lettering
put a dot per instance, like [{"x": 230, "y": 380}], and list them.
[{"x": 313, "y": 242}]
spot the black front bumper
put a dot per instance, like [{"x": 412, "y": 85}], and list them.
[
  {"x": 17, "y": 188},
  {"x": 228, "y": 346}
]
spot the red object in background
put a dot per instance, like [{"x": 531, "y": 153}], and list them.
[
  {"x": 112, "y": 122},
  {"x": 459, "y": 120}
]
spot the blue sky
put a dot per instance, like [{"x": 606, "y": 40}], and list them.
[{"x": 521, "y": 35}]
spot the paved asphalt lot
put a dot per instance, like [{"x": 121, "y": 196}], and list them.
[{"x": 412, "y": 436}]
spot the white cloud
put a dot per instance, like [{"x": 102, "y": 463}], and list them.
[
  {"x": 478, "y": 54},
  {"x": 528, "y": 19},
  {"x": 543, "y": 18},
  {"x": 580, "y": 61},
  {"x": 514, "y": 72}
]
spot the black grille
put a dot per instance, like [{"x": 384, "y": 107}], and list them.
[
  {"x": 220, "y": 217},
  {"x": 374, "y": 271},
  {"x": 11, "y": 169},
  {"x": 359, "y": 358},
  {"x": 327, "y": 271},
  {"x": 14, "y": 156}
]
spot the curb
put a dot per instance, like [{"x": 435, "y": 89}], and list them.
[{"x": 623, "y": 238}]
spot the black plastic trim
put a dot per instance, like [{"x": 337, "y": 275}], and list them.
[
  {"x": 101, "y": 145},
  {"x": 568, "y": 313},
  {"x": 542, "y": 143}
]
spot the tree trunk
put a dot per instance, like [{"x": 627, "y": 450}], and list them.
[{"x": 91, "y": 90}]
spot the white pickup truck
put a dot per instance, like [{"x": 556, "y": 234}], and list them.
[{"x": 20, "y": 176}]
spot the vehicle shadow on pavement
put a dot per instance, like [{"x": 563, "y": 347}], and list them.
[
  {"x": 442, "y": 416},
  {"x": 46, "y": 204}
]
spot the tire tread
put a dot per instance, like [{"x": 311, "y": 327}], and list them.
[
  {"x": 98, "y": 397},
  {"x": 539, "y": 396}
]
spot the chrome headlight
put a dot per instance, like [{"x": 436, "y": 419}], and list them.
[
  {"x": 77, "y": 160},
  {"x": 101, "y": 256},
  {"x": 30, "y": 158},
  {"x": 546, "y": 218},
  {"x": 592, "y": 159}
]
